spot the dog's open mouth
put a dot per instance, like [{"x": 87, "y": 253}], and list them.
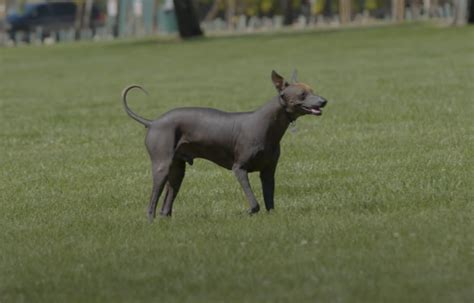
[{"x": 317, "y": 111}]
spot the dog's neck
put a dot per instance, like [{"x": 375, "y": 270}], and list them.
[
  {"x": 278, "y": 119},
  {"x": 282, "y": 101}
]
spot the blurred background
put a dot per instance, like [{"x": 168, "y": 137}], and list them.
[{"x": 43, "y": 21}]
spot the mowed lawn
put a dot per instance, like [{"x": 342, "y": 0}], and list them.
[{"x": 374, "y": 199}]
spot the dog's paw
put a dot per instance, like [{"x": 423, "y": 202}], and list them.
[
  {"x": 254, "y": 210},
  {"x": 150, "y": 219},
  {"x": 270, "y": 210}
]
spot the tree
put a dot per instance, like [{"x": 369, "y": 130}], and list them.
[
  {"x": 471, "y": 12},
  {"x": 345, "y": 11},
  {"x": 83, "y": 16},
  {"x": 79, "y": 18},
  {"x": 287, "y": 8},
  {"x": 361, "y": 6},
  {"x": 213, "y": 11},
  {"x": 187, "y": 19},
  {"x": 327, "y": 11},
  {"x": 230, "y": 12},
  {"x": 398, "y": 10},
  {"x": 460, "y": 12},
  {"x": 88, "y": 13},
  {"x": 6, "y": 8}
]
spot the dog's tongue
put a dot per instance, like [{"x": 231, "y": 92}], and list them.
[{"x": 315, "y": 111}]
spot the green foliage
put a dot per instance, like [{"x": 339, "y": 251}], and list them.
[
  {"x": 317, "y": 7},
  {"x": 371, "y": 4},
  {"x": 374, "y": 198}
]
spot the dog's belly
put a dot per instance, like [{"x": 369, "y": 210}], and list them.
[
  {"x": 257, "y": 161},
  {"x": 219, "y": 155}
]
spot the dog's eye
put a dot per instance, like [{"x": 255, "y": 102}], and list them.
[{"x": 302, "y": 96}]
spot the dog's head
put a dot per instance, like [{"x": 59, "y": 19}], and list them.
[{"x": 297, "y": 98}]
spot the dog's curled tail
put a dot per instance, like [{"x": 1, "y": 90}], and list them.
[{"x": 136, "y": 117}]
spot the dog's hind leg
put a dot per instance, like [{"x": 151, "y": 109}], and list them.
[
  {"x": 160, "y": 146},
  {"x": 160, "y": 176},
  {"x": 175, "y": 178}
]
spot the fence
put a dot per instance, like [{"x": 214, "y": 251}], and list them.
[{"x": 138, "y": 18}]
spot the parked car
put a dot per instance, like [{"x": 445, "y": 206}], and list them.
[{"x": 48, "y": 18}]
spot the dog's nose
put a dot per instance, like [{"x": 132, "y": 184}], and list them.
[{"x": 323, "y": 102}]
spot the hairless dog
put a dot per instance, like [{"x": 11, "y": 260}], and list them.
[{"x": 242, "y": 142}]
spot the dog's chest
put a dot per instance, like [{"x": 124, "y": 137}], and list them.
[{"x": 262, "y": 157}]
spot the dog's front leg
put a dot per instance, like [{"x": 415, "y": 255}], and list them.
[
  {"x": 242, "y": 177},
  {"x": 267, "y": 177}
]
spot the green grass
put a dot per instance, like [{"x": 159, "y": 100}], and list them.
[{"x": 374, "y": 199}]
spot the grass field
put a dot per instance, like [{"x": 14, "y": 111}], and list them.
[{"x": 374, "y": 199}]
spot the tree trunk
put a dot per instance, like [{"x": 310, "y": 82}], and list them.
[
  {"x": 398, "y": 10},
  {"x": 471, "y": 12},
  {"x": 460, "y": 12},
  {"x": 212, "y": 13},
  {"x": 78, "y": 23},
  {"x": 187, "y": 19},
  {"x": 345, "y": 11},
  {"x": 88, "y": 13},
  {"x": 116, "y": 29},
  {"x": 287, "y": 8},
  {"x": 156, "y": 7},
  {"x": 427, "y": 8},
  {"x": 361, "y": 6},
  {"x": 3, "y": 17},
  {"x": 229, "y": 14},
  {"x": 327, "y": 10}
]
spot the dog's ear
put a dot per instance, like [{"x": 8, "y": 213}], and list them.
[
  {"x": 294, "y": 76},
  {"x": 278, "y": 81}
]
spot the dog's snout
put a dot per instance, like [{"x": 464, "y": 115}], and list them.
[{"x": 322, "y": 102}]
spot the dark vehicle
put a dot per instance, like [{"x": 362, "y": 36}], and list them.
[{"x": 48, "y": 18}]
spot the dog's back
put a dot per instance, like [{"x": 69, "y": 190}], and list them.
[{"x": 198, "y": 132}]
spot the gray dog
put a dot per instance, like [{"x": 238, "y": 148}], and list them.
[{"x": 242, "y": 142}]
